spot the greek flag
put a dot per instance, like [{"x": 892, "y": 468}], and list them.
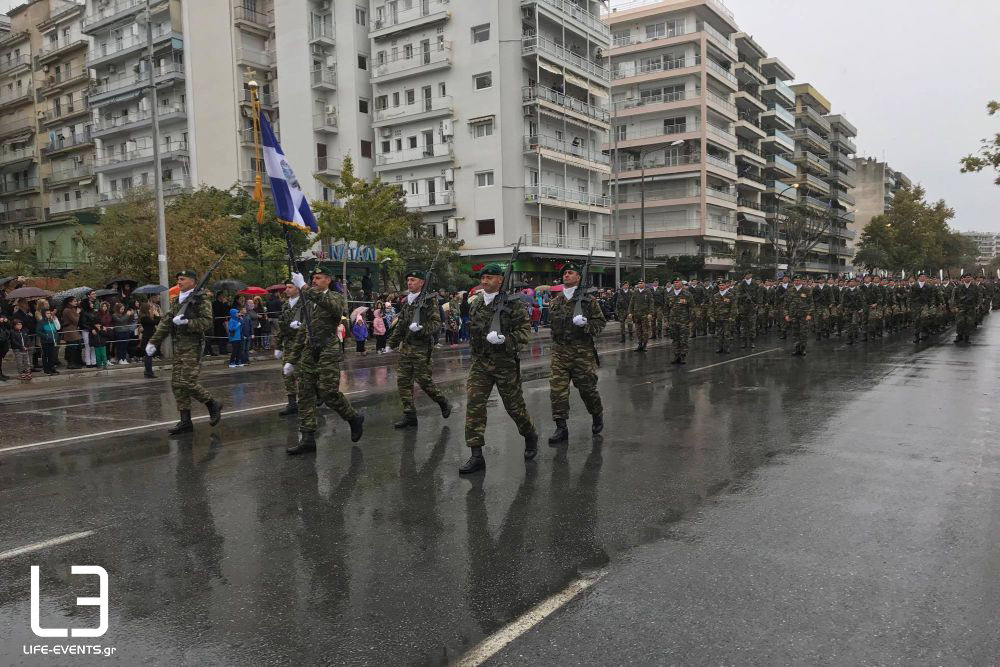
[{"x": 290, "y": 205}]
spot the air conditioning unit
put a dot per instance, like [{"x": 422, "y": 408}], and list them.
[
  {"x": 112, "y": 69},
  {"x": 331, "y": 61},
  {"x": 386, "y": 132},
  {"x": 378, "y": 24},
  {"x": 449, "y": 176},
  {"x": 446, "y": 128},
  {"x": 452, "y": 226},
  {"x": 330, "y": 109},
  {"x": 45, "y": 68}
]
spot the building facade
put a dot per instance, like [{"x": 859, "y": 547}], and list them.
[
  {"x": 877, "y": 184},
  {"x": 987, "y": 245}
]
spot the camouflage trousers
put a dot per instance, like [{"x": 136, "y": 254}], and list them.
[
  {"x": 748, "y": 327},
  {"x": 184, "y": 379},
  {"x": 657, "y": 323},
  {"x": 415, "y": 366},
  {"x": 626, "y": 323},
  {"x": 505, "y": 374},
  {"x": 573, "y": 363},
  {"x": 643, "y": 325},
  {"x": 965, "y": 322},
  {"x": 799, "y": 329},
  {"x": 319, "y": 382},
  {"x": 698, "y": 320},
  {"x": 724, "y": 332},
  {"x": 291, "y": 384},
  {"x": 680, "y": 333},
  {"x": 853, "y": 323},
  {"x": 874, "y": 322},
  {"x": 821, "y": 320}
]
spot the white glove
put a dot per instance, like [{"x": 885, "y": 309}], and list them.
[
  {"x": 414, "y": 327},
  {"x": 180, "y": 320},
  {"x": 495, "y": 338},
  {"x": 287, "y": 369},
  {"x": 294, "y": 324},
  {"x": 150, "y": 349},
  {"x": 579, "y": 320},
  {"x": 387, "y": 349},
  {"x": 298, "y": 280},
  {"x": 278, "y": 354}
]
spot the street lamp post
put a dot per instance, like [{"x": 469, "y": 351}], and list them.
[
  {"x": 161, "y": 224},
  {"x": 642, "y": 202},
  {"x": 777, "y": 221}
]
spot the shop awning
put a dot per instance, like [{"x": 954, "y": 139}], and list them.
[{"x": 750, "y": 217}]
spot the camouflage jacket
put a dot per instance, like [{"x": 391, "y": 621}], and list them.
[
  {"x": 516, "y": 325},
  {"x": 325, "y": 312},
  {"x": 823, "y": 296},
  {"x": 749, "y": 296},
  {"x": 799, "y": 302},
  {"x": 430, "y": 319},
  {"x": 852, "y": 299},
  {"x": 622, "y": 299},
  {"x": 700, "y": 295},
  {"x": 561, "y": 320},
  {"x": 922, "y": 296},
  {"x": 723, "y": 307},
  {"x": 967, "y": 297},
  {"x": 190, "y": 336},
  {"x": 283, "y": 333},
  {"x": 679, "y": 304},
  {"x": 642, "y": 304}
]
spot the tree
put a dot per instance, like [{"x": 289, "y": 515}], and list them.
[
  {"x": 373, "y": 213},
  {"x": 989, "y": 151},
  {"x": 801, "y": 229},
  {"x": 871, "y": 258}
]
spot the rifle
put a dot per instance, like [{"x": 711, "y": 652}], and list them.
[
  {"x": 584, "y": 293},
  {"x": 294, "y": 268},
  {"x": 425, "y": 290},
  {"x": 199, "y": 288},
  {"x": 501, "y": 303}
]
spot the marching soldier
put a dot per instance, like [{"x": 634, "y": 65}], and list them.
[
  {"x": 967, "y": 301},
  {"x": 659, "y": 310},
  {"x": 780, "y": 293},
  {"x": 923, "y": 301},
  {"x": 748, "y": 299},
  {"x": 724, "y": 310},
  {"x": 698, "y": 316},
  {"x": 574, "y": 357},
  {"x": 188, "y": 333},
  {"x": 622, "y": 298},
  {"x": 495, "y": 361},
  {"x": 679, "y": 303},
  {"x": 641, "y": 309},
  {"x": 852, "y": 304},
  {"x": 288, "y": 324},
  {"x": 822, "y": 300},
  {"x": 314, "y": 355},
  {"x": 799, "y": 314},
  {"x": 415, "y": 347}
]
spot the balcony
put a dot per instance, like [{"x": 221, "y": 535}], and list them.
[
  {"x": 431, "y": 201},
  {"x": 561, "y": 101},
  {"x": 778, "y": 92},
  {"x": 721, "y": 134},
  {"x": 546, "y": 145},
  {"x": 846, "y": 162},
  {"x": 810, "y": 116},
  {"x": 536, "y": 44},
  {"x": 813, "y": 202},
  {"x": 110, "y": 12},
  {"x": 61, "y": 110},
  {"x": 782, "y": 190},
  {"x": 137, "y": 156},
  {"x": 322, "y": 33},
  {"x": 656, "y": 135},
  {"x": 60, "y": 206},
  {"x": 136, "y": 120},
  {"x": 722, "y": 195},
  {"x": 17, "y": 186},
  {"x": 69, "y": 176},
  {"x": 250, "y": 19},
  {"x": 414, "y": 157},
  {"x": 625, "y": 70},
  {"x": 556, "y": 196},
  {"x": 721, "y": 103},
  {"x": 725, "y": 165},
  {"x": 778, "y": 117},
  {"x": 630, "y": 163},
  {"x": 325, "y": 122},
  {"x": 261, "y": 60},
  {"x": 18, "y": 97},
  {"x": 723, "y": 73},
  {"x": 111, "y": 87},
  {"x": 747, "y": 99},
  {"x": 654, "y": 100},
  {"x": 845, "y": 143},
  {"x": 423, "y": 13},
  {"x": 811, "y": 161},
  {"x": 53, "y": 50},
  {"x": 779, "y": 163},
  {"x": 654, "y": 196},
  {"x": 325, "y": 166},
  {"x": 170, "y": 188},
  {"x": 811, "y": 139},
  {"x": 248, "y": 138},
  {"x": 15, "y": 63},
  {"x": 64, "y": 144},
  {"x": 780, "y": 139},
  {"x": 845, "y": 179},
  {"x": 747, "y": 73},
  {"x": 66, "y": 77},
  {"x": 564, "y": 9},
  {"x": 567, "y": 242},
  {"x": 30, "y": 214},
  {"x": 724, "y": 43},
  {"x": 107, "y": 52},
  {"x": 844, "y": 197},
  {"x": 810, "y": 182},
  {"x": 324, "y": 78},
  {"x": 420, "y": 61},
  {"x": 20, "y": 125}
]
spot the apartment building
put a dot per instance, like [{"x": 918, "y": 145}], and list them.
[
  {"x": 877, "y": 184},
  {"x": 987, "y": 245},
  {"x": 493, "y": 117},
  {"x": 678, "y": 129},
  {"x": 823, "y": 142}
]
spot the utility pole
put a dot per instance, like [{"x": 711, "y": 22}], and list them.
[
  {"x": 161, "y": 223},
  {"x": 614, "y": 204}
]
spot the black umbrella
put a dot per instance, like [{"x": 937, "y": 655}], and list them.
[
  {"x": 106, "y": 292},
  {"x": 149, "y": 289},
  {"x": 228, "y": 286},
  {"x": 28, "y": 293},
  {"x": 7, "y": 279},
  {"x": 78, "y": 292},
  {"x": 121, "y": 281}
]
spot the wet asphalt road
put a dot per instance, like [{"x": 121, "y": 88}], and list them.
[{"x": 221, "y": 549}]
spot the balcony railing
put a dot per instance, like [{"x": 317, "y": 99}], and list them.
[
  {"x": 132, "y": 80},
  {"x": 723, "y": 132},
  {"x": 721, "y": 101},
  {"x": 814, "y": 116},
  {"x": 813, "y": 201},
  {"x": 76, "y": 104},
  {"x": 322, "y": 121},
  {"x": 61, "y": 205},
  {"x": 79, "y": 172},
  {"x": 845, "y": 142},
  {"x": 565, "y": 147},
  {"x": 782, "y": 138},
  {"x": 170, "y": 188},
  {"x": 570, "y": 242},
  {"x": 781, "y": 88},
  {"x": 263, "y": 59},
  {"x": 420, "y": 9},
  {"x": 537, "y": 43},
  {"x": 14, "y": 62},
  {"x": 247, "y": 15},
  {"x": 725, "y": 195},
  {"x": 62, "y": 143},
  {"x": 670, "y": 131},
  {"x": 726, "y": 42},
  {"x": 535, "y": 193},
  {"x": 143, "y": 153},
  {"x": 780, "y": 162},
  {"x": 816, "y": 183},
  {"x": 324, "y": 76},
  {"x": 111, "y": 10},
  {"x": 782, "y": 113},
  {"x": 723, "y": 72},
  {"x": 575, "y": 11},
  {"x": 56, "y": 79},
  {"x": 805, "y": 134},
  {"x": 659, "y": 98},
  {"x": 656, "y": 161},
  {"x": 640, "y": 69},
  {"x": 635, "y": 196},
  {"x": 446, "y": 198},
  {"x": 59, "y": 45},
  {"x": 13, "y": 185},
  {"x": 435, "y": 54},
  {"x": 531, "y": 93},
  {"x": 124, "y": 43},
  {"x": 20, "y": 215},
  {"x": 722, "y": 164},
  {"x": 441, "y": 149},
  {"x": 19, "y": 94},
  {"x": 419, "y": 106},
  {"x": 26, "y": 153}
]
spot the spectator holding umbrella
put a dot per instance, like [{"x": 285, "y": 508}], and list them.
[
  {"x": 47, "y": 329},
  {"x": 70, "y": 320},
  {"x": 122, "y": 322}
]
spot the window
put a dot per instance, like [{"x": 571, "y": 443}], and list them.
[
  {"x": 362, "y": 61},
  {"x": 442, "y": 89},
  {"x": 483, "y": 81},
  {"x": 408, "y": 52},
  {"x": 395, "y": 99},
  {"x": 411, "y": 141},
  {"x": 411, "y": 97},
  {"x": 674, "y": 125},
  {"x": 486, "y": 227},
  {"x": 399, "y": 144},
  {"x": 484, "y": 179},
  {"x": 480, "y": 130},
  {"x": 656, "y": 30},
  {"x": 366, "y": 148},
  {"x": 381, "y": 102},
  {"x": 621, "y": 131},
  {"x": 361, "y": 16},
  {"x": 584, "y": 231},
  {"x": 481, "y": 33},
  {"x": 362, "y": 105},
  {"x": 414, "y": 187},
  {"x": 386, "y": 146}
]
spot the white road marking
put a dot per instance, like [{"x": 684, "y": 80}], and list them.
[
  {"x": 729, "y": 361},
  {"x": 493, "y": 644},
  {"x": 38, "y": 546}
]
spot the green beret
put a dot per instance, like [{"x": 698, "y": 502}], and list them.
[
  {"x": 417, "y": 274},
  {"x": 677, "y": 279},
  {"x": 187, "y": 273},
  {"x": 492, "y": 269},
  {"x": 571, "y": 266},
  {"x": 322, "y": 270},
  {"x": 797, "y": 277}
]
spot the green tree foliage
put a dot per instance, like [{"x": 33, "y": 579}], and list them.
[
  {"x": 989, "y": 152},
  {"x": 915, "y": 235}
]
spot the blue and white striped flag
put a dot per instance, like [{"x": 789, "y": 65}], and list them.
[{"x": 290, "y": 204}]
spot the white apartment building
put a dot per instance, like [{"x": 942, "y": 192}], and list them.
[
  {"x": 493, "y": 117},
  {"x": 987, "y": 245}
]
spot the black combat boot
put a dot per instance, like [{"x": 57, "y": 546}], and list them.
[
  {"x": 598, "y": 424},
  {"x": 745, "y": 345},
  {"x": 184, "y": 425},
  {"x": 409, "y": 420},
  {"x": 958, "y": 338},
  {"x": 357, "y": 427},
  {"x": 445, "y": 408},
  {"x": 561, "y": 434},
  {"x": 476, "y": 462},
  {"x": 530, "y": 446},
  {"x": 721, "y": 350},
  {"x": 677, "y": 359},
  {"x": 291, "y": 409},
  {"x": 214, "y": 411},
  {"x": 682, "y": 359},
  {"x": 307, "y": 443}
]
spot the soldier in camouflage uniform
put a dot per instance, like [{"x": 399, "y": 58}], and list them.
[
  {"x": 622, "y": 298},
  {"x": 574, "y": 356},
  {"x": 413, "y": 339},
  {"x": 641, "y": 310},
  {"x": 967, "y": 300},
  {"x": 724, "y": 310},
  {"x": 659, "y": 310},
  {"x": 699, "y": 317},
  {"x": 780, "y": 292},
  {"x": 822, "y": 300},
  {"x": 495, "y": 361},
  {"x": 679, "y": 302},
  {"x": 288, "y": 324},
  {"x": 749, "y": 298},
  {"x": 984, "y": 300},
  {"x": 799, "y": 314},
  {"x": 315, "y": 357},
  {"x": 188, "y": 333},
  {"x": 923, "y": 301},
  {"x": 852, "y": 310}
]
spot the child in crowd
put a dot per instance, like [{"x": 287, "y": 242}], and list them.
[
  {"x": 99, "y": 343},
  {"x": 235, "y": 327},
  {"x": 360, "y": 333},
  {"x": 536, "y": 316},
  {"x": 20, "y": 344}
]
